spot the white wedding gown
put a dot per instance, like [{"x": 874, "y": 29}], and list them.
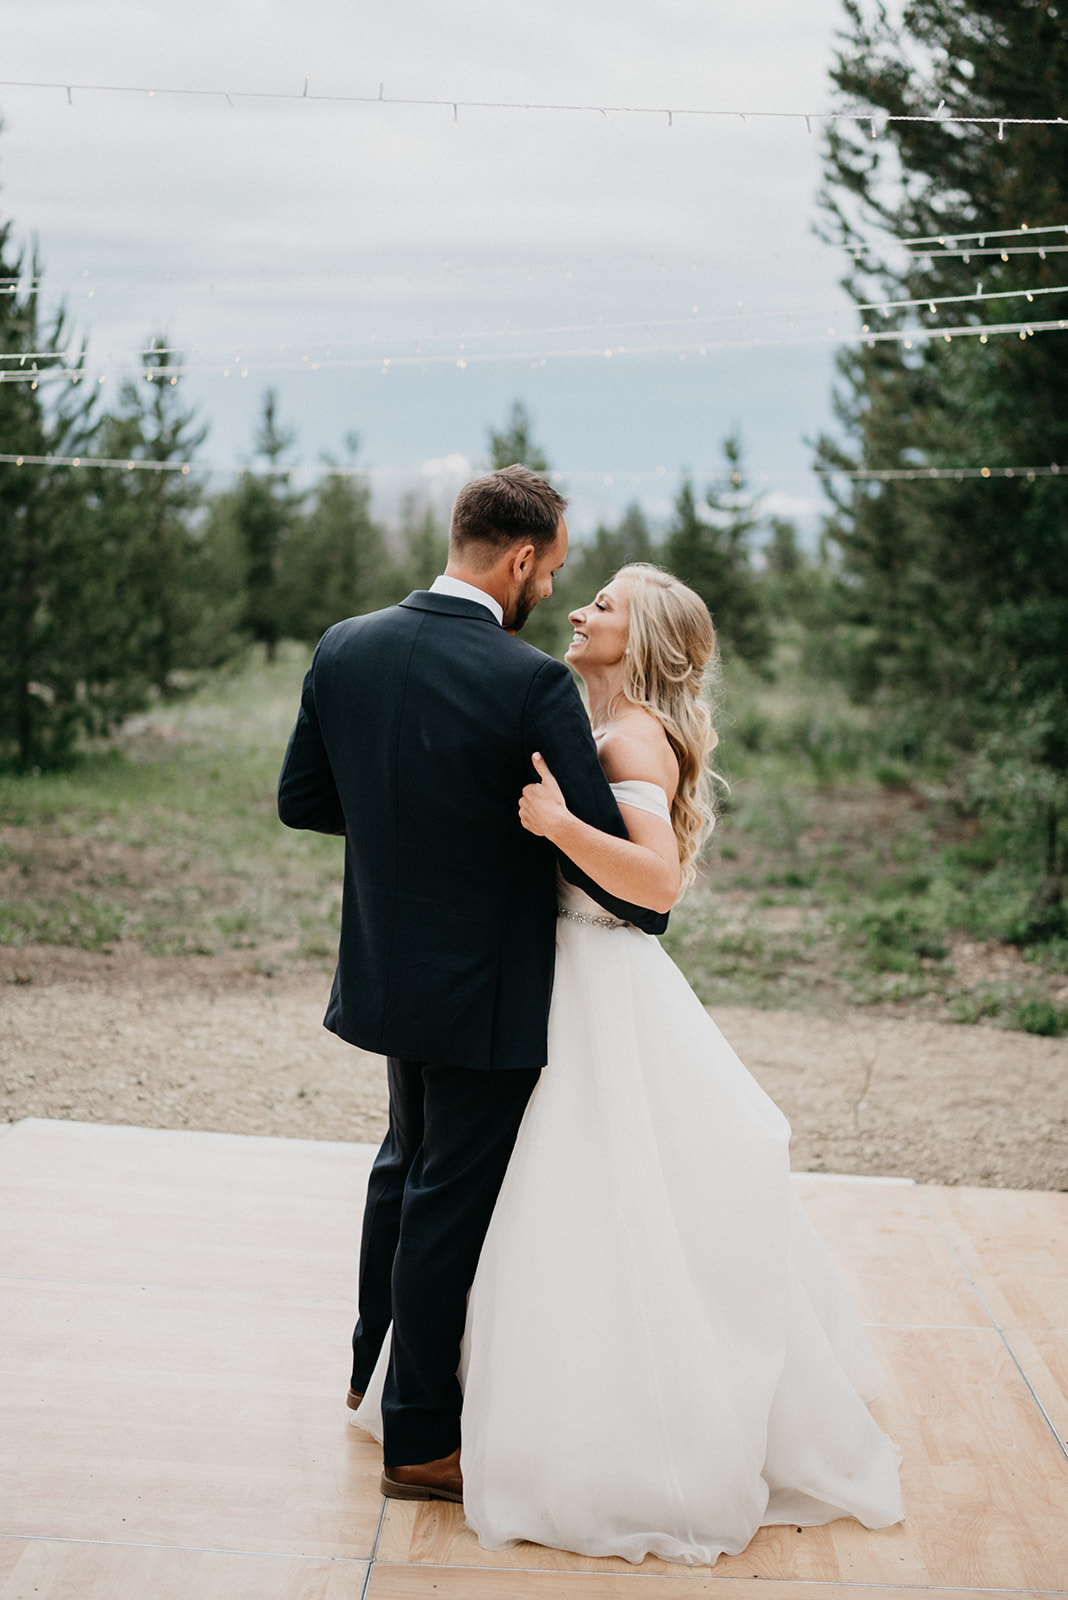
[{"x": 660, "y": 1355}]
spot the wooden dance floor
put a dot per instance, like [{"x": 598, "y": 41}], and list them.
[{"x": 176, "y": 1315}]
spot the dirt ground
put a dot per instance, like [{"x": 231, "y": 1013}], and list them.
[{"x": 227, "y": 1045}]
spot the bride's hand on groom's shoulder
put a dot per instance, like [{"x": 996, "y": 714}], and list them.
[{"x": 542, "y": 807}]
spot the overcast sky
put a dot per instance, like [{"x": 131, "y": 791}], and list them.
[{"x": 258, "y": 235}]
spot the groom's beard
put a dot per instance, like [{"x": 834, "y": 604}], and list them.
[{"x": 522, "y": 606}]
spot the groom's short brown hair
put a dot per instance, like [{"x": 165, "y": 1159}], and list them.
[{"x": 511, "y": 506}]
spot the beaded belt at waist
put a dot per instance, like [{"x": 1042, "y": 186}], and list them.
[{"x": 591, "y": 922}]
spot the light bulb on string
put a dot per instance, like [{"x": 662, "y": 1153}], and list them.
[{"x": 961, "y": 116}]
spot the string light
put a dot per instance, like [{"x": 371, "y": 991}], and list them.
[
  {"x": 857, "y": 474},
  {"x": 949, "y": 236},
  {"x": 693, "y": 320},
  {"x": 967, "y": 251},
  {"x": 15, "y": 285},
  {"x": 956, "y": 242},
  {"x": 450, "y": 102},
  {"x": 34, "y": 355},
  {"x": 125, "y": 464},
  {"x": 958, "y": 299},
  {"x": 920, "y": 474},
  {"x": 384, "y": 364}
]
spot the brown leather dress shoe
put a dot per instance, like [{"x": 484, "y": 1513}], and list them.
[
  {"x": 425, "y": 1480},
  {"x": 354, "y": 1400}
]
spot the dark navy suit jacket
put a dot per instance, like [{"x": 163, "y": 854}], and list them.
[{"x": 414, "y": 739}]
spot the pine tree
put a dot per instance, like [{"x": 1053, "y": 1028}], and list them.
[
  {"x": 713, "y": 555},
  {"x": 248, "y": 526},
  {"x": 180, "y": 618},
  {"x": 956, "y": 593},
  {"x": 514, "y": 444},
  {"x": 590, "y": 565},
  {"x": 595, "y": 562},
  {"x": 424, "y": 548},
  {"x": 334, "y": 564},
  {"x": 62, "y": 666}
]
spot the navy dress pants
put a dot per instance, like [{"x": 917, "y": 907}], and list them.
[{"x": 430, "y": 1197}]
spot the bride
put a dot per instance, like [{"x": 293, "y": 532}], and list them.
[{"x": 660, "y": 1356}]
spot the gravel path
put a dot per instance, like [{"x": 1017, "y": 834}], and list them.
[{"x": 229, "y": 1045}]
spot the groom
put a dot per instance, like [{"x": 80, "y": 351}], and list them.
[{"x": 414, "y": 740}]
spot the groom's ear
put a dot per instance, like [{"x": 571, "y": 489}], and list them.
[{"x": 523, "y": 558}]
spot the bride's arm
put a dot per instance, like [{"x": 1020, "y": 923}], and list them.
[{"x": 643, "y": 868}]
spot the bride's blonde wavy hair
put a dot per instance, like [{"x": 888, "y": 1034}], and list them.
[{"x": 669, "y": 663}]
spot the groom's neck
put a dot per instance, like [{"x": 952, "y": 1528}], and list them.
[{"x": 489, "y": 580}]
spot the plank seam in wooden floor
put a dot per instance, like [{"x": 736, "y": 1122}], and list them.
[
  {"x": 699, "y": 1575},
  {"x": 852, "y": 1177},
  {"x": 185, "y": 1549},
  {"x": 948, "y": 1327},
  {"x": 229, "y": 1296},
  {"x": 374, "y": 1548},
  {"x": 995, "y": 1324}
]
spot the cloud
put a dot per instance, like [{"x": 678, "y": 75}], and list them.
[
  {"x": 269, "y": 228},
  {"x": 790, "y": 506}
]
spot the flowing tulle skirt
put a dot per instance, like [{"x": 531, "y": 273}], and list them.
[{"x": 660, "y": 1355}]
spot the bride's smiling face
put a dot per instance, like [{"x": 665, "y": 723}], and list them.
[{"x": 600, "y": 630}]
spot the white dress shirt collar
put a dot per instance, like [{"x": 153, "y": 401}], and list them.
[{"x": 467, "y": 591}]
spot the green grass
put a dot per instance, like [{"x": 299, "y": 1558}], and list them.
[
  {"x": 1020, "y": 1007},
  {"x": 74, "y": 919},
  {"x": 838, "y": 875},
  {"x": 170, "y": 834}
]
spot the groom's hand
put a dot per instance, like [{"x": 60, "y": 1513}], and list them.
[{"x": 542, "y": 807}]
